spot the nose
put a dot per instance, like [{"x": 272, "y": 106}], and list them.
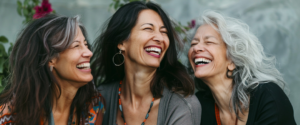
[
  {"x": 198, "y": 48},
  {"x": 87, "y": 52},
  {"x": 158, "y": 36}
]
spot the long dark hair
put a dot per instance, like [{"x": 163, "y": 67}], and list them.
[
  {"x": 32, "y": 86},
  {"x": 171, "y": 72}
]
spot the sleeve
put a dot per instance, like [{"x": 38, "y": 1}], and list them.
[
  {"x": 186, "y": 112},
  {"x": 275, "y": 107},
  {"x": 5, "y": 114},
  {"x": 97, "y": 111}
]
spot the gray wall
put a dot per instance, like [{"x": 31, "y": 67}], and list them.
[{"x": 275, "y": 22}]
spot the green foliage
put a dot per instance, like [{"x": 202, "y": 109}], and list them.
[
  {"x": 26, "y": 9},
  {"x": 4, "y": 72},
  {"x": 118, "y": 3}
]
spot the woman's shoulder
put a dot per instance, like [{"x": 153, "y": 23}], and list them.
[
  {"x": 5, "y": 114},
  {"x": 96, "y": 110},
  {"x": 270, "y": 93},
  {"x": 109, "y": 90},
  {"x": 269, "y": 90},
  {"x": 98, "y": 101},
  {"x": 184, "y": 108},
  {"x": 108, "y": 87},
  {"x": 268, "y": 100},
  {"x": 177, "y": 99},
  {"x": 189, "y": 101}
]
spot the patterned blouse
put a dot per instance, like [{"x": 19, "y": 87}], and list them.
[{"x": 96, "y": 113}]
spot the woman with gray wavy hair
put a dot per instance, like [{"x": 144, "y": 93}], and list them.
[{"x": 238, "y": 84}]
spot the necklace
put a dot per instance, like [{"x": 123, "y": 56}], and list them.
[
  {"x": 121, "y": 109},
  {"x": 217, "y": 113}
]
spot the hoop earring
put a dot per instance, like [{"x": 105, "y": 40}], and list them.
[
  {"x": 120, "y": 52},
  {"x": 51, "y": 68},
  {"x": 227, "y": 73}
]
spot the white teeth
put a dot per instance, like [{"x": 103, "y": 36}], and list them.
[
  {"x": 156, "y": 50},
  {"x": 83, "y": 66},
  {"x": 154, "y": 53},
  {"x": 202, "y": 61}
]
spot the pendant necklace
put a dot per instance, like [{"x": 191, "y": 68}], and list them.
[{"x": 121, "y": 109}]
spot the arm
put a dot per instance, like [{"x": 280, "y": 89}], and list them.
[{"x": 5, "y": 114}]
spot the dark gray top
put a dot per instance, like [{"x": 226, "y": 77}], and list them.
[
  {"x": 174, "y": 109},
  {"x": 268, "y": 106}
]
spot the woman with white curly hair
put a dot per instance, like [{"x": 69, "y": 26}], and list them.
[{"x": 238, "y": 84}]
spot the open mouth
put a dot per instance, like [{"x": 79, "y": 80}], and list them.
[
  {"x": 83, "y": 66},
  {"x": 153, "y": 50},
  {"x": 200, "y": 61}
]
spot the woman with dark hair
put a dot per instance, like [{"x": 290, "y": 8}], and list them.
[
  {"x": 141, "y": 79},
  {"x": 238, "y": 83},
  {"x": 51, "y": 76}
]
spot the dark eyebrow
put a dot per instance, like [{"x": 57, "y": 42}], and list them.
[
  {"x": 163, "y": 27},
  {"x": 147, "y": 24}
]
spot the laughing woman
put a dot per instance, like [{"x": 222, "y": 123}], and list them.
[
  {"x": 51, "y": 78},
  {"x": 238, "y": 83},
  {"x": 142, "y": 80}
]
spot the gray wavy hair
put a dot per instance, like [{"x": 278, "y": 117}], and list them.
[{"x": 253, "y": 67}]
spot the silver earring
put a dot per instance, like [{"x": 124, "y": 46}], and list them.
[
  {"x": 120, "y": 52},
  {"x": 51, "y": 68}
]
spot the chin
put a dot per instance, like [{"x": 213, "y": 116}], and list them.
[
  {"x": 87, "y": 79},
  {"x": 199, "y": 75},
  {"x": 153, "y": 64}
]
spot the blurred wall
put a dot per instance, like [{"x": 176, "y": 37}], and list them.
[{"x": 275, "y": 22}]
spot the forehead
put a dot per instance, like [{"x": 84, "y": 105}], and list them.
[
  {"x": 149, "y": 16},
  {"x": 79, "y": 35},
  {"x": 207, "y": 30}
]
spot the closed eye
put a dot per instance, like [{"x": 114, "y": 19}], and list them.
[
  {"x": 147, "y": 28},
  {"x": 209, "y": 42},
  {"x": 192, "y": 44},
  {"x": 166, "y": 32}
]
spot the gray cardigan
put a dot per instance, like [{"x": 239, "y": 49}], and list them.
[{"x": 174, "y": 109}]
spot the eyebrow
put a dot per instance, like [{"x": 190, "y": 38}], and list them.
[
  {"x": 196, "y": 39},
  {"x": 207, "y": 37},
  {"x": 153, "y": 25},
  {"x": 79, "y": 41},
  {"x": 147, "y": 24},
  {"x": 163, "y": 27}
]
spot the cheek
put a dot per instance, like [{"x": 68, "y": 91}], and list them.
[
  {"x": 69, "y": 60},
  {"x": 166, "y": 42},
  {"x": 190, "y": 54},
  {"x": 219, "y": 55}
]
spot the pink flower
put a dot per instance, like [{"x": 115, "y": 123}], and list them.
[
  {"x": 192, "y": 24},
  {"x": 42, "y": 10}
]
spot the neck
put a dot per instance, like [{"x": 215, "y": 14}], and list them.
[
  {"x": 62, "y": 100},
  {"x": 136, "y": 84},
  {"x": 221, "y": 88}
]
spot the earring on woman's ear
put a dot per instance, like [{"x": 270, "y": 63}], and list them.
[
  {"x": 119, "y": 53},
  {"x": 227, "y": 73},
  {"x": 51, "y": 68}
]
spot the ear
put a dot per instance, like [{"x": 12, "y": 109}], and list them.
[
  {"x": 52, "y": 62},
  {"x": 121, "y": 46},
  {"x": 231, "y": 66}
]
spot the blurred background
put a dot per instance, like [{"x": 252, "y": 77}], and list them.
[{"x": 275, "y": 22}]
